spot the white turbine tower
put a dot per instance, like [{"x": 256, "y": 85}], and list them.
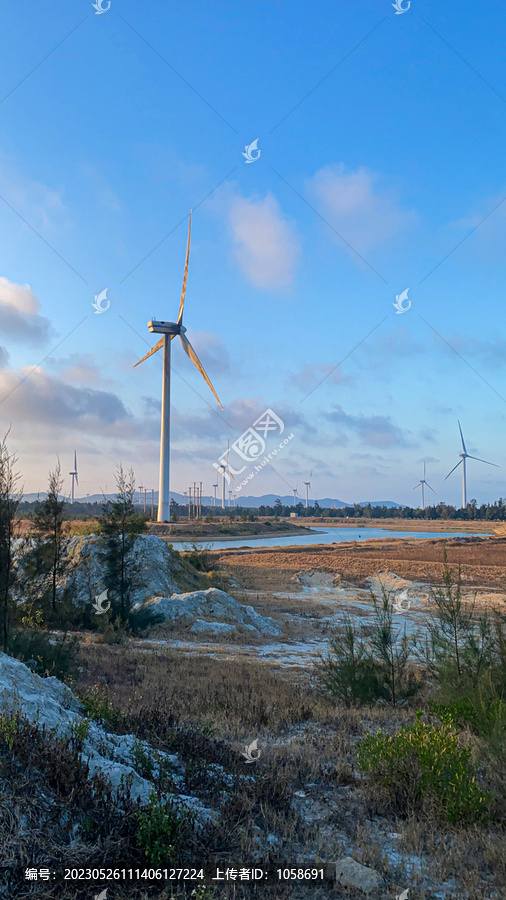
[
  {"x": 169, "y": 330},
  {"x": 308, "y": 485},
  {"x": 74, "y": 475},
  {"x": 294, "y": 491},
  {"x": 422, "y": 484},
  {"x": 463, "y": 456}
]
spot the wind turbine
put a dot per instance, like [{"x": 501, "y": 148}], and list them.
[
  {"x": 215, "y": 486},
  {"x": 224, "y": 468},
  {"x": 74, "y": 475},
  {"x": 308, "y": 485},
  {"x": 463, "y": 456},
  {"x": 422, "y": 484},
  {"x": 169, "y": 330},
  {"x": 294, "y": 491}
]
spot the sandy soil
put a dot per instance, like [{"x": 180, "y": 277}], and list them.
[{"x": 482, "y": 561}]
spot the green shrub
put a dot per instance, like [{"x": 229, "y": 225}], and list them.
[
  {"x": 364, "y": 669},
  {"x": 161, "y": 829},
  {"x": 78, "y": 733},
  {"x": 425, "y": 764},
  {"x": 199, "y": 558},
  {"x": 98, "y": 706},
  {"x": 348, "y": 672},
  {"x": 45, "y": 654},
  {"x": 144, "y": 762},
  {"x": 480, "y": 706}
]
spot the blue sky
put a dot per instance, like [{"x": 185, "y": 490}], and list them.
[{"x": 381, "y": 170}]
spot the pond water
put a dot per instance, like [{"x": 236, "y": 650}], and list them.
[{"x": 321, "y": 536}]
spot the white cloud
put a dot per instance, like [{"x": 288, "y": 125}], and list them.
[
  {"x": 376, "y": 431},
  {"x": 356, "y": 207},
  {"x": 19, "y": 313},
  {"x": 266, "y": 245}
]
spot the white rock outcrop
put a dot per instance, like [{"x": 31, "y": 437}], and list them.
[
  {"x": 48, "y": 702},
  {"x": 156, "y": 568},
  {"x": 212, "y": 607}
]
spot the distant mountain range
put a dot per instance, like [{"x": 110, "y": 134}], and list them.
[{"x": 251, "y": 502}]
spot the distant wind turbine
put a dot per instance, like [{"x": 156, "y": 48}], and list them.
[
  {"x": 308, "y": 485},
  {"x": 422, "y": 484},
  {"x": 224, "y": 468},
  {"x": 169, "y": 330},
  {"x": 74, "y": 475},
  {"x": 294, "y": 491},
  {"x": 463, "y": 456}
]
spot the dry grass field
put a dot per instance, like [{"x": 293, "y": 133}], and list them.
[
  {"x": 304, "y": 801},
  {"x": 482, "y": 561}
]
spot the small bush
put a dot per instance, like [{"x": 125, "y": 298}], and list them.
[
  {"x": 98, "y": 706},
  {"x": 348, "y": 672},
  {"x": 199, "y": 558},
  {"x": 480, "y": 706},
  {"x": 424, "y": 764},
  {"x": 161, "y": 829},
  {"x": 44, "y": 654}
]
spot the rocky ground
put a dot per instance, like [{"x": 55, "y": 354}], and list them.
[{"x": 227, "y": 673}]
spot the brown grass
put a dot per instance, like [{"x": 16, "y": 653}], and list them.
[{"x": 481, "y": 560}]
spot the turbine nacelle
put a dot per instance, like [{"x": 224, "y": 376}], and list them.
[{"x": 157, "y": 327}]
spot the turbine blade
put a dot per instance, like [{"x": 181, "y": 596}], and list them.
[
  {"x": 484, "y": 460},
  {"x": 157, "y": 346},
  {"x": 188, "y": 349},
  {"x": 424, "y": 472},
  {"x": 431, "y": 489},
  {"x": 185, "y": 276},
  {"x": 462, "y": 438},
  {"x": 455, "y": 467},
  {"x": 417, "y": 485}
]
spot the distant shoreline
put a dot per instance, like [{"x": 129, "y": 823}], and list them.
[
  {"x": 409, "y": 524},
  {"x": 235, "y": 537}
]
